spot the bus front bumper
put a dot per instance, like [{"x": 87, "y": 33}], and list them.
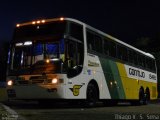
[{"x": 36, "y": 92}]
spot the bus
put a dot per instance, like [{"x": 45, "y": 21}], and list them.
[{"x": 66, "y": 59}]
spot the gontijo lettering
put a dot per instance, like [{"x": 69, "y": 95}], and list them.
[
  {"x": 137, "y": 73},
  {"x": 152, "y": 77}
]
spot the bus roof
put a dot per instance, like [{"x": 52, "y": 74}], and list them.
[
  {"x": 111, "y": 37},
  {"x": 88, "y": 26}
]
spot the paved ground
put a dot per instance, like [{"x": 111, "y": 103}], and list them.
[
  {"x": 3, "y": 112},
  {"x": 123, "y": 111},
  {"x": 6, "y": 113}
]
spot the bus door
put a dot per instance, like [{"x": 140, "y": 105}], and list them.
[{"x": 74, "y": 59}]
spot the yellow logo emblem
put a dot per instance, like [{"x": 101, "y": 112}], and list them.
[{"x": 76, "y": 89}]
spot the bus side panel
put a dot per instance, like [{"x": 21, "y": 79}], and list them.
[
  {"x": 95, "y": 72},
  {"x": 112, "y": 79},
  {"x": 132, "y": 83}
]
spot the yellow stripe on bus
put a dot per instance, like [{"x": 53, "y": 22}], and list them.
[{"x": 131, "y": 86}]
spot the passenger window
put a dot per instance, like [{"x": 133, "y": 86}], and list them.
[
  {"x": 135, "y": 58},
  {"x": 130, "y": 56},
  {"x": 112, "y": 49},
  {"x": 122, "y": 53},
  {"x": 76, "y": 31},
  {"x": 90, "y": 41},
  {"x": 106, "y": 47},
  {"x": 98, "y": 43}
]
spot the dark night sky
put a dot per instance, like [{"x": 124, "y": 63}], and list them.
[{"x": 126, "y": 20}]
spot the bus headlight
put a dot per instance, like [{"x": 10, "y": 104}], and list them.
[
  {"x": 10, "y": 83},
  {"x": 54, "y": 80}
]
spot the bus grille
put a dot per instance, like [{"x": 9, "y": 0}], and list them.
[
  {"x": 27, "y": 82},
  {"x": 23, "y": 82},
  {"x": 35, "y": 80},
  {"x": 38, "y": 79}
]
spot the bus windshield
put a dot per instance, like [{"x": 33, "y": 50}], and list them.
[
  {"x": 46, "y": 31},
  {"x": 37, "y": 58},
  {"x": 51, "y": 47}
]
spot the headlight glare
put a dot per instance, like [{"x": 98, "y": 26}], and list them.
[
  {"x": 10, "y": 83},
  {"x": 54, "y": 80}
]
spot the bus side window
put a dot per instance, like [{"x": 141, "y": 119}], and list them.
[
  {"x": 90, "y": 41},
  {"x": 98, "y": 43},
  {"x": 147, "y": 63},
  {"x": 106, "y": 47},
  {"x": 141, "y": 60},
  {"x": 70, "y": 58},
  {"x": 135, "y": 58},
  {"x": 76, "y": 31},
  {"x": 154, "y": 65},
  {"x": 152, "y": 62},
  {"x": 130, "y": 56},
  {"x": 112, "y": 49},
  {"x": 125, "y": 56},
  {"x": 122, "y": 53}
]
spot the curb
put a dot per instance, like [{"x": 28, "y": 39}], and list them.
[{"x": 11, "y": 114}]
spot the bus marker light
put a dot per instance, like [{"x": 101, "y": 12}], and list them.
[
  {"x": 10, "y": 83},
  {"x": 38, "y": 22},
  {"x": 54, "y": 80},
  {"x": 115, "y": 82},
  {"x": 111, "y": 83},
  {"x": 43, "y": 21},
  {"x": 61, "y": 18},
  {"x": 33, "y": 22},
  {"x": 18, "y": 25},
  {"x": 47, "y": 60}
]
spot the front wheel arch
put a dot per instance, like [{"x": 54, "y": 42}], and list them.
[{"x": 92, "y": 93}]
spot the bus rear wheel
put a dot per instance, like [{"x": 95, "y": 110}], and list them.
[
  {"x": 143, "y": 97},
  {"x": 146, "y": 96},
  {"x": 92, "y": 95}
]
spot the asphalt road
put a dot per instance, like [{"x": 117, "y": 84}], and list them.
[{"x": 122, "y": 111}]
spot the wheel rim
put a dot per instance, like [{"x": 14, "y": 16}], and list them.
[
  {"x": 91, "y": 96},
  {"x": 141, "y": 97}
]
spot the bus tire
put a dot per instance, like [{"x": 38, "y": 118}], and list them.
[
  {"x": 141, "y": 96},
  {"x": 146, "y": 96},
  {"x": 92, "y": 95}
]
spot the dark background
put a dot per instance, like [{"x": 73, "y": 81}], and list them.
[
  {"x": 127, "y": 20},
  {"x": 136, "y": 22}
]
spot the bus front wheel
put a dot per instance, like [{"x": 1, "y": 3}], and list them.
[{"x": 92, "y": 95}]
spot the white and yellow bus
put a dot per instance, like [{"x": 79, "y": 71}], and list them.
[{"x": 65, "y": 59}]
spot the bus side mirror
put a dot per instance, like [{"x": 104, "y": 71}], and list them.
[{"x": 71, "y": 72}]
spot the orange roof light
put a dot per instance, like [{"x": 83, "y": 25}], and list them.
[
  {"x": 38, "y": 22},
  {"x": 47, "y": 60},
  {"x": 43, "y": 21},
  {"x": 61, "y": 18},
  {"x": 33, "y": 22},
  {"x": 17, "y": 25}
]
